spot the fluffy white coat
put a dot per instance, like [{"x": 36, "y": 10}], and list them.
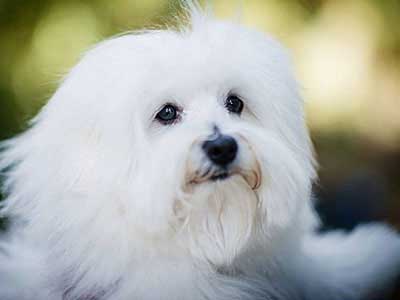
[{"x": 108, "y": 203}]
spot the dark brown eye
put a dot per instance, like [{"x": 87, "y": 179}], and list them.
[
  {"x": 168, "y": 114},
  {"x": 233, "y": 104}
]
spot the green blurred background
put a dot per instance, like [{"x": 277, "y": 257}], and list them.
[{"x": 346, "y": 53}]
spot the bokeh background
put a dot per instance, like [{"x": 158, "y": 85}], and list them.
[{"x": 346, "y": 54}]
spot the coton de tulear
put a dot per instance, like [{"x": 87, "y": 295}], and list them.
[{"x": 176, "y": 164}]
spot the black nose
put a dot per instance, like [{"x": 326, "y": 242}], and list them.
[{"x": 221, "y": 150}]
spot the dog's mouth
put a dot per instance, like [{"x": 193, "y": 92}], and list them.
[
  {"x": 212, "y": 174},
  {"x": 220, "y": 176}
]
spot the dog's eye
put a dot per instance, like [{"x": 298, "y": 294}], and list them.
[
  {"x": 168, "y": 114},
  {"x": 234, "y": 104}
]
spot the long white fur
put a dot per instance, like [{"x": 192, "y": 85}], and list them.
[{"x": 99, "y": 195}]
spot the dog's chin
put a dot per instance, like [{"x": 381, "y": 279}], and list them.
[{"x": 218, "y": 216}]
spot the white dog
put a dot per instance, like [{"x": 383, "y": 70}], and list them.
[{"x": 176, "y": 164}]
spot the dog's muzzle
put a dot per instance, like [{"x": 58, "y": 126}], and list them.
[{"x": 221, "y": 160}]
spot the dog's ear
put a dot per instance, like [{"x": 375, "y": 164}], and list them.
[
  {"x": 82, "y": 142},
  {"x": 69, "y": 172}
]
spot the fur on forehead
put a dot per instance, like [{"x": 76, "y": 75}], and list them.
[{"x": 138, "y": 65}]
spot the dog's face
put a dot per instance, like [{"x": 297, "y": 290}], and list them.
[{"x": 192, "y": 140}]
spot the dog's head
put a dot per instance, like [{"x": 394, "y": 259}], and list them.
[{"x": 190, "y": 140}]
